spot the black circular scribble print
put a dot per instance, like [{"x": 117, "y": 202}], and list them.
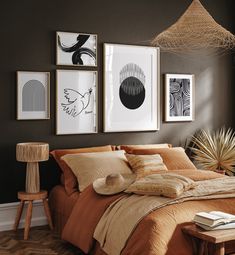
[{"x": 132, "y": 91}]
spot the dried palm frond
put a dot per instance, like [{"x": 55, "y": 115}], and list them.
[{"x": 215, "y": 150}]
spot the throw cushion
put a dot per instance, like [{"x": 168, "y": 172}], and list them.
[
  {"x": 88, "y": 167},
  {"x": 168, "y": 185},
  {"x": 174, "y": 158},
  {"x": 70, "y": 180},
  {"x": 143, "y": 165}
]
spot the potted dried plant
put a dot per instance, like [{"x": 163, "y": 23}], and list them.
[{"x": 215, "y": 150}]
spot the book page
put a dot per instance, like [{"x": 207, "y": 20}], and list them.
[
  {"x": 223, "y": 226},
  {"x": 223, "y": 215},
  {"x": 209, "y": 216}
]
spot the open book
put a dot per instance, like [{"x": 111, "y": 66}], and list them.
[
  {"x": 219, "y": 227},
  {"x": 214, "y": 218}
]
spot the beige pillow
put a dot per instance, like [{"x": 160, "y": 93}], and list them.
[
  {"x": 143, "y": 165},
  {"x": 70, "y": 180},
  {"x": 167, "y": 185},
  {"x": 88, "y": 167},
  {"x": 174, "y": 158}
]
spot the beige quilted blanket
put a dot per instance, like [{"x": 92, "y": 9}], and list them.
[{"x": 123, "y": 215}]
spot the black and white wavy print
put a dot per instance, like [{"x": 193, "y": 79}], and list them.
[
  {"x": 78, "y": 49},
  {"x": 179, "y": 97},
  {"x": 132, "y": 90}
]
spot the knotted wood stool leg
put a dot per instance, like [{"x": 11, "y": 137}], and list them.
[
  {"x": 18, "y": 214},
  {"x": 48, "y": 214},
  {"x": 28, "y": 220}
]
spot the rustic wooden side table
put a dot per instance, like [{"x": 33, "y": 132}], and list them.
[
  {"x": 203, "y": 237},
  {"x": 30, "y": 197}
]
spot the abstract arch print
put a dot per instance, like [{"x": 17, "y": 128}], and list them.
[
  {"x": 33, "y": 96},
  {"x": 179, "y": 97},
  {"x": 132, "y": 91}
]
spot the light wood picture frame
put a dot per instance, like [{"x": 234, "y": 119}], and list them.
[
  {"x": 179, "y": 97},
  {"x": 131, "y": 88},
  {"x": 76, "y": 102},
  {"x": 33, "y": 95}
]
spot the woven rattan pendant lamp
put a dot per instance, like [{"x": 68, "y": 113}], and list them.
[{"x": 195, "y": 30}]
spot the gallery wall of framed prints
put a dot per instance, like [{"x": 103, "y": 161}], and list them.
[{"x": 131, "y": 88}]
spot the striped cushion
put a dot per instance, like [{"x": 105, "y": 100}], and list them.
[
  {"x": 143, "y": 165},
  {"x": 167, "y": 185}
]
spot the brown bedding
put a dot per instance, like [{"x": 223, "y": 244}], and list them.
[
  {"x": 61, "y": 206},
  {"x": 158, "y": 233}
]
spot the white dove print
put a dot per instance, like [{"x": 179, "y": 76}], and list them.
[{"x": 77, "y": 102}]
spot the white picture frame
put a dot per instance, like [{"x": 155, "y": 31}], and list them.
[
  {"x": 179, "y": 97},
  {"x": 131, "y": 88},
  {"x": 76, "y": 49},
  {"x": 76, "y": 102},
  {"x": 33, "y": 95}
]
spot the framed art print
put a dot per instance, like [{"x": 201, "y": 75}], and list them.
[
  {"x": 33, "y": 95},
  {"x": 131, "y": 88},
  {"x": 76, "y": 103},
  {"x": 179, "y": 97},
  {"x": 76, "y": 49}
]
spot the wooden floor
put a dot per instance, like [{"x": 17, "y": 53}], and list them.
[{"x": 42, "y": 241}]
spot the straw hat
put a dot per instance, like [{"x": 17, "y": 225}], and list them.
[{"x": 113, "y": 183}]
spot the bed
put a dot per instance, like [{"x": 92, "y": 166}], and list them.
[
  {"x": 61, "y": 205},
  {"x": 77, "y": 215}
]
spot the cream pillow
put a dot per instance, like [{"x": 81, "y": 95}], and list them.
[
  {"x": 88, "y": 167},
  {"x": 167, "y": 185},
  {"x": 174, "y": 158},
  {"x": 143, "y": 165}
]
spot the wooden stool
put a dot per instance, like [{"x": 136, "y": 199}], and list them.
[
  {"x": 30, "y": 197},
  {"x": 201, "y": 238}
]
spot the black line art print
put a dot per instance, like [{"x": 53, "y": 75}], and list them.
[
  {"x": 179, "y": 97},
  {"x": 132, "y": 91},
  {"x": 76, "y": 102},
  {"x": 77, "y": 49}
]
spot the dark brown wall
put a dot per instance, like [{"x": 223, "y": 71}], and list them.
[{"x": 27, "y": 42}]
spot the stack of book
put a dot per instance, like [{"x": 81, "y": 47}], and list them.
[{"x": 215, "y": 220}]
